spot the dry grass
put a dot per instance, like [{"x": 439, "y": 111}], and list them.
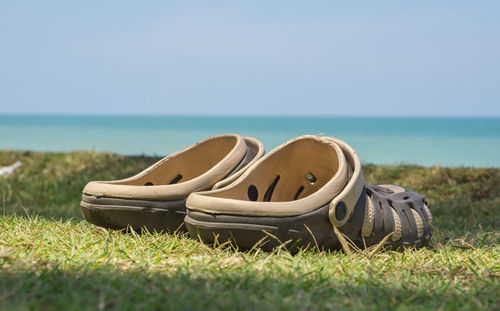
[{"x": 51, "y": 259}]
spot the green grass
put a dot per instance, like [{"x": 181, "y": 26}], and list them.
[{"x": 50, "y": 258}]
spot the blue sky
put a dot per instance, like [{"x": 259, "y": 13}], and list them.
[{"x": 354, "y": 58}]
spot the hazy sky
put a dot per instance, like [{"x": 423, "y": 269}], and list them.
[{"x": 360, "y": 58}]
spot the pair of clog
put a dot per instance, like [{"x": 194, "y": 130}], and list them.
[{"x": 308, "y": 192}]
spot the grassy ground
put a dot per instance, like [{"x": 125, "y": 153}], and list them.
[{"x": 51, "y": 259}]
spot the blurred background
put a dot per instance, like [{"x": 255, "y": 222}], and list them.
[{"x": 402, "y": 82}]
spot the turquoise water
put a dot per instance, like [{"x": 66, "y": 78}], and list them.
[{"x": 423, "y": 141}]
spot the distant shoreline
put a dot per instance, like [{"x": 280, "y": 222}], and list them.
[
  {"x": 453, "y": 142},
  {"x": 21, "y": 153}
]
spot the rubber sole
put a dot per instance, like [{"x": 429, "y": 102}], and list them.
[
  {"x": 246, "y": 232},
  {"x": 160, "y": 216}
]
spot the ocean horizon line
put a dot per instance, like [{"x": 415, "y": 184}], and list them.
[
  {"x": 425, "y": 141},
  {"x": 271, "y": 116}
]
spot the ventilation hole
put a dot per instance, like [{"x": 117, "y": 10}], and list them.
[
  {"x": 369, "y": 192},
  {"x": 423, "y": 213},
  {"x": 390, "y": 203},
  {"x": 310, "y": 177},
  {"x": 176, "y": 179},
  {"x": 406, "y": 198},
  {"x": 148, "y": 184},
  {"x": 270, "y": 189},
  {"x": 381, "y": 208},
  {"x": 299, "y": 192},
  {"x": 253, "y": 194},
  {"x": 340, "y": 211},
  {"x": 407, "y": 217}
]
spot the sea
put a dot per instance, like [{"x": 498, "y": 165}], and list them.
[{"x": 471, "y": 142}]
